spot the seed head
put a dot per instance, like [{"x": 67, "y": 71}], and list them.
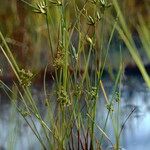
[{"x": 25, "y": 77}]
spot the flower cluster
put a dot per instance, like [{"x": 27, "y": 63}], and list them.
[
  {"x": 62, "y": 97},
  {"x": 41, "y": 8},
  {"x": 92, "y": 94},
  {"x": 59, "y": 59},
  {"x": 25, "y": 77}
]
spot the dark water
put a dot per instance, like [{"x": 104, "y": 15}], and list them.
[{"x": 15, "y": 134}]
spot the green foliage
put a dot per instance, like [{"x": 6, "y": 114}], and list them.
[{"x": 78, "y": 35}]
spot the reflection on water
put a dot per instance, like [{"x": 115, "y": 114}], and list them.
[
  {"x": 136, "y": 133},
  {"x": 15, "y": 132}
]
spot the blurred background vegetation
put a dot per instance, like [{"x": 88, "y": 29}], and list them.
[{"x": 26, "y": 31}]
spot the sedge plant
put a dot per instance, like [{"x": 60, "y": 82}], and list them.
[{"x": 78, "y": 50}]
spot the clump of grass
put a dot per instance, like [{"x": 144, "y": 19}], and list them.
[{"x": 69, "y": 121}]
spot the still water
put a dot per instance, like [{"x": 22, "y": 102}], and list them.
[
  {"x": 136, "y": 133},
  {"x": 15, "y": 134}
]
